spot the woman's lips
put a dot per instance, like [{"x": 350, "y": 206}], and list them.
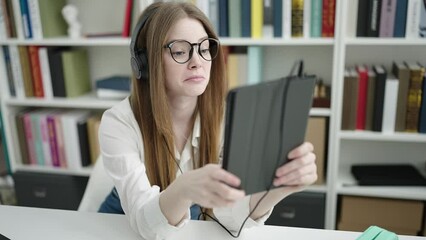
[{"x": 197, "y": 78}]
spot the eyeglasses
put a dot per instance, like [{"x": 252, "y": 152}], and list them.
[{"x": 182, "y": 50}]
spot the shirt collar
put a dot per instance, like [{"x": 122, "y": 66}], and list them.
[{"x": 196, "y": 132}]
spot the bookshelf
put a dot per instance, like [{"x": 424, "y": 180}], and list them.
[
  {"x": 361, "y": 147},
  {"x": 326, "y": 57}
]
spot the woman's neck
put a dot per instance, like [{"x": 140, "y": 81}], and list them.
[{"x": 182, "y": 111}]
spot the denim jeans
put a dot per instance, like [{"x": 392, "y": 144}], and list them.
[{"x": 112, "y": 204}]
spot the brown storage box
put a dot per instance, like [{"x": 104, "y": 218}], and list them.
[
  {"x": 316, "y": 133},
  {"x": 399, "y": 216}
]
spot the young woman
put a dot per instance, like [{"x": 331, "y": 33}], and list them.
[{"x": 162, "y": 145}]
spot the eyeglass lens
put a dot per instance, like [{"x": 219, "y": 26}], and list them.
[{"x": 182, "y": 51}]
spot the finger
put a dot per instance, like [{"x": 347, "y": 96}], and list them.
[
  {"x": 301, "y": 150},
  {"x": 305, "y": 180},
  {"x": 226, "y": 177},
  {"x": 295, "y": 164},
  {"x": 227, "y": 192},
  {"x": 296, "y": 176},
  {"x": 216, "y": 201}
]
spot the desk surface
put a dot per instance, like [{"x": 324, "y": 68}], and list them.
[{"x": 19, "y": 223}]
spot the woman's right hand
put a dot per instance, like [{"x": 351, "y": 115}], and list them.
[{"x": 210, "y": 186}]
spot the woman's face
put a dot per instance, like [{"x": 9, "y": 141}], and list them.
[{"x": 189, "y": 79}]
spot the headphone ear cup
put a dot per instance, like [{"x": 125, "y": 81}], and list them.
[{"x": 143, "y": 60}]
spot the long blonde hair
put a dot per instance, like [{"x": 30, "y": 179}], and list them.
[{"x": 149, "y": 101}]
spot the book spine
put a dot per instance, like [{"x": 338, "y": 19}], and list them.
[
  {"x": 413, "y": 19},
  {"x": 370, "y": 100},
  {"x": 214, "y": 14},
  {"x": 127, "y": 19},
  {"x": 246, "y": 18},
  {"x": 400, "y": 18},
  {"x": 3, "y": 31},
  {"x": 54, "y": 152},
  {"x": 316, "y": 18},
  {"x": 26, "y": 22},
  {"x": 379, "y": 98},
  {"x": 362, "y": 98},
  {"x": 60, "y": 141},
  {"x": 390, "y": 105},
  {"x": 362, "y": 18},
  {"x": 403, "y": 74},
  {"x": 17, "y": 71},
  {"x": 268, "y": 19},
  {"x": 350, "y": 99},
  {"x": 223, "y": 18},
  {"x": 256, "y": 18},
  {"x": 18, "y": 19},
  {"x": 26, "y": 71},
  {"x": 29, "y": 138},
  {"x": 422, "y": 24},
  {"x": 287, "y": 18},
  {"x": 278, "y": 18},
  {"x": 38, "y": 143},
  {"x": 306, "y": 18},
  {"x": 44, "y": 132},
  {"x": 328, "y": 16},
  {"x": 34, "y": 14},
  {"x": 297, "y": 18},
  {"x": 23, "y": 147},
  {"x": 8, "y": 67},
  {"x": 422, "y": 113},
  {"x": 374, "y": 18},
  {"x": 387, "y": 18},
  {"x": 45, "y": 73},
  {"x": 234, "y": 13},
  {"x": 255, "y": 59},
  {"x": 36, "y": 71}
]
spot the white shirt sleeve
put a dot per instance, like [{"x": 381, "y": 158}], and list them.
[{"x": 121, "y": 148}]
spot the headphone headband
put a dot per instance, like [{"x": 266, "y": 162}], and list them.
[{"x": 138, "y": 58}]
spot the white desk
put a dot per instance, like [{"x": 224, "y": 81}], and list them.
[{"x": 22, "y": 223}]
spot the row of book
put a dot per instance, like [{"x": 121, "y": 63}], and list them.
[
  {"x": 391, "y": 18},
  {"x": 58, "y": 138},
  {"x": 271, "y": 18},
  {"x": 34, "y": 19},
  {"x": 385, "y": 101},
  {"x": 46, "y": 72}
]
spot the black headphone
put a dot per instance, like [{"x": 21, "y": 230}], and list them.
[{"x": 138, "y": 57}]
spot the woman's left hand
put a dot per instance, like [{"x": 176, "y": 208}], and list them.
[{"x": 300, "y": 171}]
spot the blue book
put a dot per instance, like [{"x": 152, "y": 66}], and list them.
[
  {"x": 245, "y": 18},
  {"x": 255, "y": 66},
  {"x": 223, "y": 18},
  {"x": 119, "y": 83},
  {"x": 422, "y": 113},
  {"x": 278, "y": 18},
  {"x": 400, "y": 18},
  {"x": 26, "y": 21}
]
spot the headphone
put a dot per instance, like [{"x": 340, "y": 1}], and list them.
[{"x": 138, "y": 57}]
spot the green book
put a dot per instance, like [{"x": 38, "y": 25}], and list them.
[
  {"x": 52, "y": 21},
  {"x": 234, "y": 13},
  {"x": 4, "y": 150},
  {"x": 76, "y": 72}
]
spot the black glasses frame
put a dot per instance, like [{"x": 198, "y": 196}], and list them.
[{"x": 191, "y": 52}]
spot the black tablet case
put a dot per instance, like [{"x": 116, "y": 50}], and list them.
[
  {"x": 387, "y": 175},
  {"x": 263, "y": 123}
]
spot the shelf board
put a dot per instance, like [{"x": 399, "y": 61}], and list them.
[
  {"x": 88, "y": 101},
  {"x": 120, "y": 41},
  {"x": 276, "y": 41},
  {"x": 99, "y": 41},
  {"x": 316, "y": 188},
  {"x": 378, "y": 136},
  {"x": 85, "y": 171},
  {"x": 385, "y": 41},
  {"x": 411, "y": 193}
]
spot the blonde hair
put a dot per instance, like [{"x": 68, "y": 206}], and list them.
[{"x": 149, "y": 101}]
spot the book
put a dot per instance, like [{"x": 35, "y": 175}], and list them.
[
  {"x": 214, "y": 14},
  {"x": 26, "y": 21},
  {"x": 255, "y": 66},
  {"x": 36, "y": 71},
  {"x": 306, "y": 18},
  {"x": 75, "y": 67},
  {"x": 350, "y": 99},
  {"x": 45, "y": 72},
  {"x": 328, "y": 17},
  {"x": 387, "y": 18},
  {"x": 387, "y": 175},
  {"x": 234, "y": 18},
  {"x": 413, "y": 19},
  {"x": 83, "y": 141},
  {"x": 401, "y": 71},
  {"x": 316, "y": 18},
  {"x": 287, "y": 9},
  {"x": 35, "y": 19},
  {"x": 52, "y": 22},
  {"x": 316, "y": 133},
  {"x": 20, "y": 129},
  {"x": 18, "y": 19},
  {"x": 400, "y": 18},
  {"x": 390, "y": 104},
  {"x": 373, "y": 23},
  {"x": 414, "y": 96},
  {"x": 3, "y": 147},
  {"x": 8, "y": 69},
  {"x": 53, "y": 143},
  {"x": 362, "y": 18},
  {"x": 18, "y": 79},
  {"x": 278, "y": 18},
  {"x": 127, "y": 19},
  {"x": 256, "y": 18},
  {"x": 120, "y": 85},
  {"x": 54, "y": 55},
  {"x": 26, "y": 71},
  {"x": 3, "y": 31},
  {"x": 422, "y": 24},
  {"x": 381, "y": 76},
  {"x": 370, "y": 100},
  {"x": 223, "y": 18},
  {"x": 362, "y": 97},
  {"x": 93, "y": 123},
  {"x": 246, "y": 18},
  {"x": 297, "y": 18}
]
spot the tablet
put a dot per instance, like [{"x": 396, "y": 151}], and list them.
[{"x": 263, "y": 123}]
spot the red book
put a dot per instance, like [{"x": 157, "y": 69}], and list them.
[
  {"x": 127, "y": 19},
  {"x": 328, "y": 17},
  {"x": 362, "y": 98},
  {"x": 36, "y": 71}
]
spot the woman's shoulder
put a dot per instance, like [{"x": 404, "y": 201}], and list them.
[{"x": 120, "y": 111}]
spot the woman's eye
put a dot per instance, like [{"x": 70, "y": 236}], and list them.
[
  {"x": 179, "y": 53},
  {"x": 205, "y": 51}
]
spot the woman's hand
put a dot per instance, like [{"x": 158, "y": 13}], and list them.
[
  {"x": 300, "y": 171},
  {"x": 210, "y": 186}
]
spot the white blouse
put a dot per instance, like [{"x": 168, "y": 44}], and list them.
[{"x": 123, "y": 154}]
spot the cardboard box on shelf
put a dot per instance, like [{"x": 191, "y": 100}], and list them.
[
  {"x": 316, "y": 133},
  {"x": 399, "y": 216}
]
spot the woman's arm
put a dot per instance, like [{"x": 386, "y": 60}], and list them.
[{"x": 294, "y": 176}]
